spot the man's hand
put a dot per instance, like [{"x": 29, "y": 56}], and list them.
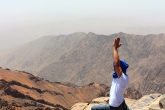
[{"x": 116, "y": 43}]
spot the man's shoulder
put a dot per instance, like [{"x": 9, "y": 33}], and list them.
[
  {"x": 124, "y": 75},
  {"x": 123, "y": 79}
]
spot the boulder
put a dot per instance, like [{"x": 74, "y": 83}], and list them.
[
  {"x": 162, "y": 102},
  {"x": 79, "y": 106},
  {"x": 101, "y": 100}
]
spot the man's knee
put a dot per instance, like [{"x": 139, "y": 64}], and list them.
[{"x": 93, "y": 108}]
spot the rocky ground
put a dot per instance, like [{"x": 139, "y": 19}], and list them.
[{"x": 147, "y": 102}]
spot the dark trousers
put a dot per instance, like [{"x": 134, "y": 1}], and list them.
[{"x": 122, "y": 106}]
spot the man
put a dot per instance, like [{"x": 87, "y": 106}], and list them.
[{"x": 119, "y": 83}]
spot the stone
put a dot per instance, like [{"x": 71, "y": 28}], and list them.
[
  {"x": 101, "y": 100},
  {"x": 130, "y": 102},
  {"x": 79, "y": 106},
  {"x": 155, "y": 104},
  {"x": 162, "y": 102}
]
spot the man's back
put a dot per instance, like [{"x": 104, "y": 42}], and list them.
[{"x": 117, "y": 90}]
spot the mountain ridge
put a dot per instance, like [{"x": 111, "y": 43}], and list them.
[{"x": 89, "y": 59}]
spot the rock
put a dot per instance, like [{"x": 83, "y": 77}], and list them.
[
  {"x": 130, "y": 102},
  {"x": 147, "y": 102},
  {"x": 3, "y": 103},
  {"x": 144, "y": 102},
  {"x": 155, "y": 104},
  {"x": 79, "y": 106},
  {"x": 98, "y": 101},
  {"x": 132, "y": 94},
  {"x": 101, "y": 100},
  {"x": 162, "y": 102}
]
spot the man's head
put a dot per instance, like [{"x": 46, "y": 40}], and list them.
[{"x": 123, "y": 65}]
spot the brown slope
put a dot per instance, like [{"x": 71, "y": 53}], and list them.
[
  {"x": 91, "y": 61},
  {"x": 24, "y": 90}
]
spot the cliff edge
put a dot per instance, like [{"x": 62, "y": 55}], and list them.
[{"x": 147, "y": 102}]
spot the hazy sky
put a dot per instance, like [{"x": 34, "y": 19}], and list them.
[{"x": 24, "y": 20}]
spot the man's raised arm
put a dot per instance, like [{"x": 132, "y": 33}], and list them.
[{"x": 116, "y": 58}]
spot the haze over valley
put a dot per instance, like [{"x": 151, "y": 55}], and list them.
[
  {"x": 21, "y": 21},
  {"x": 55, "y": 54}
]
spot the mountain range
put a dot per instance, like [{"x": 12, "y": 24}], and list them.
[{"x": 82, "y": 58}]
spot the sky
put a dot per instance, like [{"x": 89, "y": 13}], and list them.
[{"x": 22, "y": 21}]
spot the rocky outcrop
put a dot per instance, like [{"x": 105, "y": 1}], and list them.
[
  {"x": 147, "y": 102},
  {"x": 132, "y": 94},
  {"x": 129, "y": 93}
]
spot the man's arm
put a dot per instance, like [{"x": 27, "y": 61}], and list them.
[{"x": 116, "y": 58}]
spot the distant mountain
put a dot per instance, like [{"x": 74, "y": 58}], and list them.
[
  {"x": 35, "y": 55},
  {"x": 84, "y": 58},
  {"x": 91, "y": 61}
]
